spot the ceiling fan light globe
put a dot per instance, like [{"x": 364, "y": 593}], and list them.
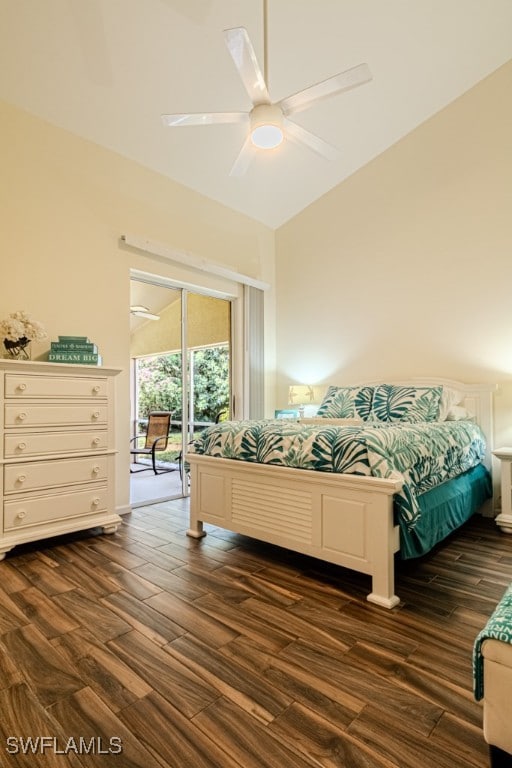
[
  {"x": 266, "y": 126},
  {"x": 267, "y": 136}
]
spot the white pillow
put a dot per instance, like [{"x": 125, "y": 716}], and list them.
[
  {"x": 459, "y": 413},
  {"x": 449, "y": 398}
]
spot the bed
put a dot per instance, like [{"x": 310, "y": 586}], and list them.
[{"x": 384, "y": 468}]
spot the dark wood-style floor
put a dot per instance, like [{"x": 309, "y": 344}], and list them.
[{"x": 148, "y": 648}]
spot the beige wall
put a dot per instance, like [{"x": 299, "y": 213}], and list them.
[
  {"x": 64, "y": 203},
  {"x": 406, "y": 268}
]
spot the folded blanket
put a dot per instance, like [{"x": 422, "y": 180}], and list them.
[{"x": 499, "y": 627}]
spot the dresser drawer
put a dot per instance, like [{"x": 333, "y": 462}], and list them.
[
  {"x": 55, "y": 387},
  {"x": 20, "y": 445},
  {"x": 25, "y": 512},
  {"x": 34, "y": 475},
  {"x": 32, "y": 415}
]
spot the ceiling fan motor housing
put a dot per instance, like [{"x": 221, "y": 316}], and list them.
[{"x": 266, "y": 125}]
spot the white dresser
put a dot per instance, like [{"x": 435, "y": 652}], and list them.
[{"x": 57, "y": 452}]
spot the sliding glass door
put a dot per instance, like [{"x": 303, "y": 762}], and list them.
[{"x": 181, "y": 353}]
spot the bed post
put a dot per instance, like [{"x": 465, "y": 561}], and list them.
[
  {"x": 196, "y": 526},
  {"x": 383, "y": 542},
  {"x": 196, "y": 530}
]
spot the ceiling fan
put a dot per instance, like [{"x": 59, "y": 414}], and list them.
[
  {"x": 268, "y": 123},
  {"x": 140, "y": 311}
]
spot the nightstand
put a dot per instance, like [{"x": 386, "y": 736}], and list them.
[{"x": 504, "y": 519}]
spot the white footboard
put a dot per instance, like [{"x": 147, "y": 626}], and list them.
[{"x": 343, "y": 519}]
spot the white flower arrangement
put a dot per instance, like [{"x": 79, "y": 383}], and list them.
[{"x": 20, "y": 325}]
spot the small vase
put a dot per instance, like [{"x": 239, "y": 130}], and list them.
[{"x": 19, "y": 349}]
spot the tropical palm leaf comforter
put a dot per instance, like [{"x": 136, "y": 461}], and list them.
[{"x": 423, "y": 455}]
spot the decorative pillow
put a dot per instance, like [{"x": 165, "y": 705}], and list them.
[
  {"x": 347, "y": 403},
  {"x": 400, "y": 403}
]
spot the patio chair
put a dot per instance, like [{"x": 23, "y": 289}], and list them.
[{"x": 156, "y": 439}]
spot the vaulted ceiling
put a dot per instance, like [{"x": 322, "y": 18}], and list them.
[{"x": 107, "y": 69}]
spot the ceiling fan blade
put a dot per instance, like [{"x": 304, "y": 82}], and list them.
[
  {"x": 242, "y": 53},
  {"x": 205, "y": 118},
  {"x": 243, "y": 160},
  {"x": 344, "y": 81},
  {"x": 299, "y": 134}
]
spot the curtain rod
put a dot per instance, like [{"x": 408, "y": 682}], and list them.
[{"x": 189, "y": 260}]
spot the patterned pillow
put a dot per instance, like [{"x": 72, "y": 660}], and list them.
[
  {"x": 396, "y": 403},
  {"x": 347, "y": 403}
]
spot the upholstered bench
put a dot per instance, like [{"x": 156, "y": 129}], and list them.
[{"x": 492, "y": 672}]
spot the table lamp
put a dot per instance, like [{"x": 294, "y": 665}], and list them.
[{"x": 298, "y": 395}]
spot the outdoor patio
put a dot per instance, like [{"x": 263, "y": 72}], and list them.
[{"x": 147, "y": 488}]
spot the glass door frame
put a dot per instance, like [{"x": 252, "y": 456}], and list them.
[{"x": 186, "y": 405}]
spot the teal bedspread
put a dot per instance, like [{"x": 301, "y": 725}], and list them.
[
  {"x": 499, "y": 627},
  {"x": 423, "y": 455}
]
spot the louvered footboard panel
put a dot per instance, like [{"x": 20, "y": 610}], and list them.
[{"x": 270, "y": 508}]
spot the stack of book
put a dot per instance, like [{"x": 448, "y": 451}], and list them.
[{"x": 74, "y": 349}]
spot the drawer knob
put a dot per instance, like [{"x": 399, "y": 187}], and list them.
[
  {"x": 22, "y": 478},
  {"x": 22, "y": 416},
  {"x": 96, "y": 415},
  {"x": 96, "y": 389},
  {"x": 95, "y": 469},
  {"x": 21, "y": 514},
  {"x": 22, "y": 446},
  {"x": 96, "y": 441},
  {"x": 95, "y": 502},
  {"x": 22, "y": 386}
]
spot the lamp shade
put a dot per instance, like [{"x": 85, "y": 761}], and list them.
[{"x": 298, "y": 394}]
